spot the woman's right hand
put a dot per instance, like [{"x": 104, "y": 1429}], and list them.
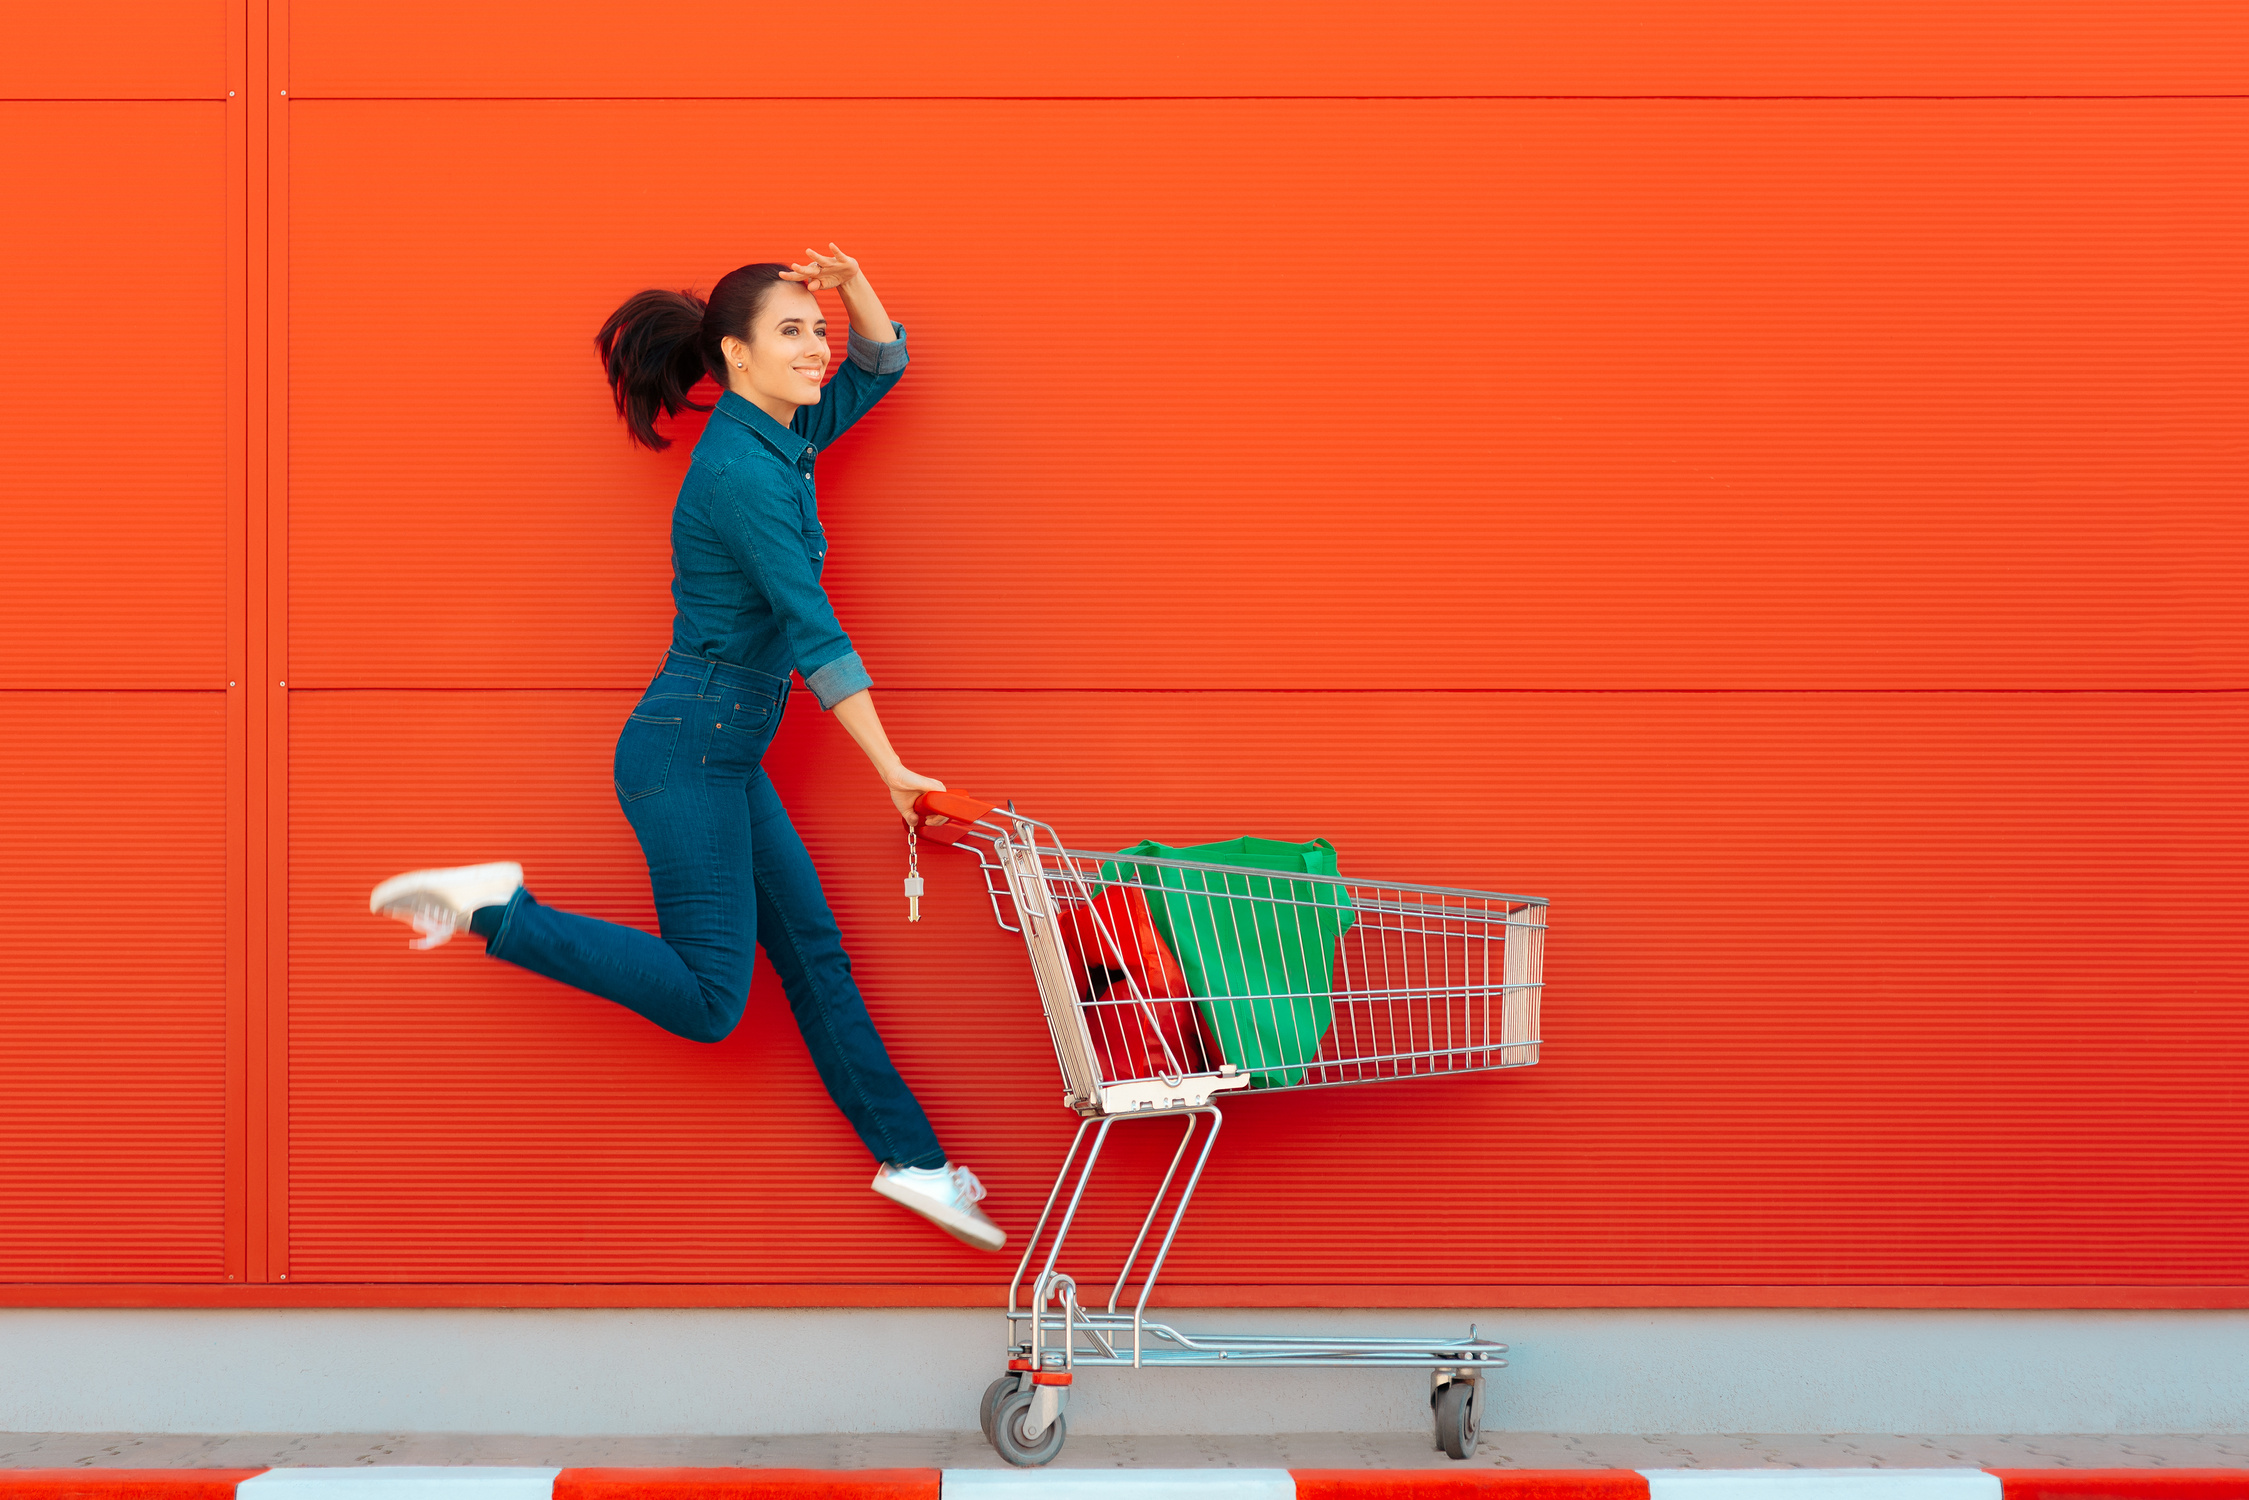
[{"x": 820, "y": 272}]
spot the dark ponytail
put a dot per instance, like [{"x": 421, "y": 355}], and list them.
[{"x": 656, "y": 345}]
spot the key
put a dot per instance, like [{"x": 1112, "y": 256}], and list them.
[{"x": 913, "y": 875}]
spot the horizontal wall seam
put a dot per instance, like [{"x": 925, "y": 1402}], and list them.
[
  {"x": 114, "y": 98},
  {"x": 121, "y": 688},
  {"x": 303, "y": 98},
  {"x": 1773, "y": 692},
  {"x": 1187, "y": 1297},
  {"x": 987, "y": 1284}
]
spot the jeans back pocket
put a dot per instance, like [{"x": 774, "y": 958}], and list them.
[{"x": 644, "y": 756}]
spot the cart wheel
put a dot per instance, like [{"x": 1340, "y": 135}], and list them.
[
  {"x": 1007, "y": 1433},
  {"x": 994, "y": 1394},
  {"x": 1456, "y": 1418}
]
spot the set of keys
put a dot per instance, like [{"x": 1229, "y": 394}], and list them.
[{"x": 913, "y": 875}]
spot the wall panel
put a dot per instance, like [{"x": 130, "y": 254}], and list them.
[
  {"x": 113, "y": 404},
  {"x": 1779, "y": 465},
  {"x": 1846, "y": 988},
  {"x": 116, "y": 49},
  {"x": 1870, "y": 394},
  {"x": 503, "y": 48},
  {"x": 113, "y": 998}
]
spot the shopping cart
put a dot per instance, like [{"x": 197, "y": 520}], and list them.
[{"x": 1167, "y": 983}]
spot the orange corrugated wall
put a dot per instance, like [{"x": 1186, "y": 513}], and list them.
[{"x": 1768, "y": 478}]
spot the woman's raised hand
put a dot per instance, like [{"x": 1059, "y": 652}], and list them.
[
  {"x": 839, "y": 272},
  {"x": 820, "y": 272}
]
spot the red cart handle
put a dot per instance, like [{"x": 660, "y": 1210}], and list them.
[{"x": 958, "y": 808}]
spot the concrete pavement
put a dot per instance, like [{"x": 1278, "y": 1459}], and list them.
[{"x": 967, "y": 1450}]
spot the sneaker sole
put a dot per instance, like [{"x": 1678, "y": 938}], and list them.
[
  {"x": 392, "y": 888},
  {"x": 959, "y": 1225}
]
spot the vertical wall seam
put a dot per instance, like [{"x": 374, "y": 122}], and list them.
[
  {"x": 239, "y": 155},
  {"x": 275, "y": 609},
  {"x": 256, "y": 682}
]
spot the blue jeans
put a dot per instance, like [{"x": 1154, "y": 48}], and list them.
[{"x": 728, "y": 872}]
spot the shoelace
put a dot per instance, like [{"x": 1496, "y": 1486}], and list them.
[{"x": 965, "y": 1182}]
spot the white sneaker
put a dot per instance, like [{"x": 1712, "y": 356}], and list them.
[
  {"x": 439, "y": 902},
  {"x": 946, "y": 1196}
]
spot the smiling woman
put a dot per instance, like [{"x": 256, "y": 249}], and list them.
[{"x": 727, "y": 869}]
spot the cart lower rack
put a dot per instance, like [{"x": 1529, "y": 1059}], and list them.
[{"x": 1167, "y": 983}]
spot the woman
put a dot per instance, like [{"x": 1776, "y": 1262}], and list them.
[{"x": 727, "y": 869}]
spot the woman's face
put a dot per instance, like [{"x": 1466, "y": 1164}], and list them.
[{"x": 786, "y": 357}]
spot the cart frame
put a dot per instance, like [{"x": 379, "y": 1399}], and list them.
[{"x": 1051, "y": 1333}]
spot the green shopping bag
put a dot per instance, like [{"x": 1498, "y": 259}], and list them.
[{"x": 1258, "y": 952}]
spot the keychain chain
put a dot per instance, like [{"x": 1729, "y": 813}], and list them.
[{"x": 913, "y": 875}]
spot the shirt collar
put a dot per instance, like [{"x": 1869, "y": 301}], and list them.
[{"x": 784, "y": 442}]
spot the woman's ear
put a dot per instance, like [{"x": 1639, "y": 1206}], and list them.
[{"x": 736, "y": 353}]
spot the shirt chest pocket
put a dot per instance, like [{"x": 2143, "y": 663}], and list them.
[{"x": 808, "y": 522}]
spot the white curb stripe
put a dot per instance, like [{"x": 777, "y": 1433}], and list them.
[
  {"x": 400, "y": 1482},
  {"x": 1118, "y": 1484},
  {"x": 1821, "y": 1484}
]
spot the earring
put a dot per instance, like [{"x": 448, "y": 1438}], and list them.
[{"x": 737, "y": 364}]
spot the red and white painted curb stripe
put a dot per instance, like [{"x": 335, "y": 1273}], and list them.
[{"x": 470, "y": 1482}]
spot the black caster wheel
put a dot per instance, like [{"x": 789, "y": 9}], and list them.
[
  {"x": 994, "y": 1394},
  {"x": 1007, "y": 1433},
  {"x": 1455, "y": 1407}
]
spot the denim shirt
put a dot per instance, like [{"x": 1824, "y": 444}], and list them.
[{"x": 747, "y": 548}]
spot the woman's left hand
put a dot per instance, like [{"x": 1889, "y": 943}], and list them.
[
  {"x": 905, "y": 786},
  {"x": 859, "y": 720},
  {"x": 820, "y": 273}
]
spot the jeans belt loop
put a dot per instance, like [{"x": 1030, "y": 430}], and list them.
[{"x": 710, "y": 665}]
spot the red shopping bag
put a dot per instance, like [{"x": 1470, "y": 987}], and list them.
[{"x": 1135, "y": 994}]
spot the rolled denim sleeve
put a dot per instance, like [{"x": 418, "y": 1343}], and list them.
[
  {"x": 839, "y": 679},
  {"x": 869, "y": 371},
  {"x": 762, "y": 528},
  {"x": 878, "y": 359}
]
